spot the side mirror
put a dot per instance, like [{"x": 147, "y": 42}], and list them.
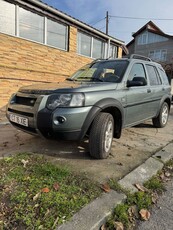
[{"x": 137, "y": 81}]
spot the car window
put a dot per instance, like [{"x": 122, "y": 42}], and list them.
[
  {"x": 106, "y": 71},
  {"x": 153, "y": 75},
  {"x": 137, "y": 71},
  {"x": 163, "y": 76}
]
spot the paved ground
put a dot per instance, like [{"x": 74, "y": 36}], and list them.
[
  {"x": 135, "y": 146},
  {"x": 162, "y": 213}
]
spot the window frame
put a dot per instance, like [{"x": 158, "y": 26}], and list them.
[
  {"x": 159, "y": 80},
  {"x": 161, "y": 52},
  {"x": 66, "y": 37},
  {"x": 39, "y": 31},
  {"x": 45, "y": 18},
  {"x": 145, "y": 74},
  {"x": 13, "y": 31},
  {"x": 91, "y": 45}
]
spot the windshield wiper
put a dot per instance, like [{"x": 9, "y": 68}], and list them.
[
  {"x": 70, "y": 79},
  {"x": 97, "y": 79}
]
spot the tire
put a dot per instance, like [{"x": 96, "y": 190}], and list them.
[
  {"x": 101, "y": 136},
  {"x": 161, "y": 120}
]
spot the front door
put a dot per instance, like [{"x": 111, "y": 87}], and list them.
[{"x": 137, "y": 97}]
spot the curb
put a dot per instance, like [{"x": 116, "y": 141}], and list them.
[
  {"x": 148, "y": 169},
  {"x": 4, "y": 123},
  {"x": 95, "y": 214},
  {"x": 92, "y": 216}
]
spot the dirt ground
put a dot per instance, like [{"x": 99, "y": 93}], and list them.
[{"x": 133, "y": 148}]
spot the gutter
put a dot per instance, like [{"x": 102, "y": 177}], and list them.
[{"x": 71, "y": 19}]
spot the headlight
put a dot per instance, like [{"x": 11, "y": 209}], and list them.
[{"x": 65, "y": 100}]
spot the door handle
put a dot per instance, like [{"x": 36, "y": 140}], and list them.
[{"x": 148, "y": 90}]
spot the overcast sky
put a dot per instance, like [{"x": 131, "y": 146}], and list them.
[{"x": 93, "y": 12}]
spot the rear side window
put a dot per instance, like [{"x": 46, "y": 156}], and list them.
[
  {"x": 163, "y": 76},
  {"x": 153, "y": 75}
]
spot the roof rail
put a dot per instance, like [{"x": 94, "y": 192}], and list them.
[{"x": 137, "y": 56}]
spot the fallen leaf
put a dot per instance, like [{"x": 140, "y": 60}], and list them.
[
  {"x": 133, "y": 211},
  {"x": 56, "y": 186},
  {"x": 36, "y": 196},
  {"x": 162, "y": 176},
  {"x": 105, "y": 187},
  {"x": 5, "y": 143},
  {"x": 45, "y": 190},
  {"x": 170, "y": 167},
  {"x": 47, "y": 212},
  {"x": 154, "y": 198},
  {"x": 159, "y": 157},
  {"x": 167, "y": 174},
  {"x": 55, "y": 223},
  {"x": 120, "y": 164},
  {"x": 103, "y": 227},
  {"x": 24, "y": 162},
  {"x": 118, "y": 226},
  {"x": 145, "y": 214},
  {"x": 140, "y": 187},
  {"x": 36, "y": 205}
]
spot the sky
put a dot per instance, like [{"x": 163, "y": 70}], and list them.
[{"x": 121, "y": 14}]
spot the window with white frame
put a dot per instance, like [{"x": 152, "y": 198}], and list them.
[
  {"x": 98, "y": 49},
  {"x": 155, "y": 38},
  {"x": 149, "y": 38},
  {"x": 158, "y": 55},
  {"x": 84, "y": 44},
  {"x": 7, "y": 17},
  {"x": 90, "y": 46},
  {"x": 31, "y": 25},
  {"x": 142, "y": 39},
  {"x": 113, "y": 51},
  {"x": 56, "y": 34},
  {"x": 17, "y": 21}
]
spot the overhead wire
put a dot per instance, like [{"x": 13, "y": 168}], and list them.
[
  {"x": 93, "y": 23},
  {"x": 141, "y": 18}
]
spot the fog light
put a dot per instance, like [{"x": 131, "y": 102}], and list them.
[{"x": 59, "y": 120}]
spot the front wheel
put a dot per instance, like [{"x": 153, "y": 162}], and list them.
[
  {"x": 101, "y": 136},
  {"x": 161, "y": 120}
]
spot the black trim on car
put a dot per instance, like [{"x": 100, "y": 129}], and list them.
[
  {"x": 141, "y": 103},
  {"x": 96, "y": 109}
]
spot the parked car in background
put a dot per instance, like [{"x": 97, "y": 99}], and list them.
[{"x": 97, "y": 102}]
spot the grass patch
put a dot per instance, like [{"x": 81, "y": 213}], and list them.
[
  {"x": 36, "y": 194},
  {"x": 128, "y": 212},
  {"x": 155, "y": 184},
  {"x": 117, "y": 187}
]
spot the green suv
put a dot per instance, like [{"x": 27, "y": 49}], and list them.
[{"x": 97, "y": 102}]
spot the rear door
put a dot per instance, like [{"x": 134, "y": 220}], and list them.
[{"x": 157, "y": 90}]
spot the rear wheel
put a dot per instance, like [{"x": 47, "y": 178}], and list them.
[
  {"x": 101, "y": 136},
  {"x": 161, "y": 120}
]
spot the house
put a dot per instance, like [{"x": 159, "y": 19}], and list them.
[
  {"x": 42, "y": 44},
  {"x": 152, "y": 42}
]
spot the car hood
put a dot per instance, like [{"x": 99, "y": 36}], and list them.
[{"x": 67, "y": 86}]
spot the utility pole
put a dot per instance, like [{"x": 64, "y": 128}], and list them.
[{"x": 107, "y": 22}]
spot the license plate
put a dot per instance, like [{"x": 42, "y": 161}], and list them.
[{"x": 19, "y": 120}]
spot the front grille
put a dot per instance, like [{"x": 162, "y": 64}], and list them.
[
  {"x": 21, "y": 113},
  {"x": 25, "y": 101}
]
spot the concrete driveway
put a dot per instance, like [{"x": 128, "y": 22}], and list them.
[{"x": 133, "y": 148}]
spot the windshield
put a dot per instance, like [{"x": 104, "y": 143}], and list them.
[{"x": 103, "y": 71}]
